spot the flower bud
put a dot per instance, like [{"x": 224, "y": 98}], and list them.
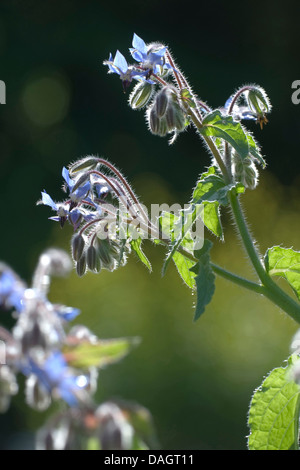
[
  {"x": 153, "y": 120},
  {"x": 175, "y": 117},
  {"x": 8, "y": 387},
  {"x": 86, "y": 163},
  {"x": 258, "y": 101},
  {"x": 37, "y": 396},
  {"x": 245, "y": 171},
  {"x": 93, "y": 260},
  {"x": 251, "y": 176},
  {"x": 163, "y": 127},
  {"x": 81, "y": 265},
  {"x": 82, "y": 180},
  {"x": 115, "y": 433},
  {"x": 140, "y": 96},
  {"x": 161, "y": 101},
  {"x": 39, "y": 329},
  {"x": 78, "y": 245},
  {"x": 59, "y": 434}
]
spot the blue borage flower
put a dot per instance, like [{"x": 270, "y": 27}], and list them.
[
  {"x": 80, "y": 193},
  {"x": 151, "y": 57},
  {"x": 127, "y": 73},
  {"x": 72, "y": 209},
  {"x": 57, "y": 377},
  {"x": 12, "y": 290},
  {"x": 15, "y": 294},
  {"x": 74, "y": 216}
]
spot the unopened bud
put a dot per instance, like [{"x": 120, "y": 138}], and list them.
[
  {"x": 37, "y": 396},
  {"x": 251, "y": 176},
  {"x": 86, "y": 163},
  {"x": 161, "y": 101},
  {"x": 245, "y": 171},
  {"x": 93, "y": 260},
  {"x": 81, "y": 265},
  {"x": 258, "y": 101},
  {"x": 153, "y": 120},
  {"x": 140, "y": 96},
  {"x": 115, "y": 432},
  {"x": 59, "y": 434},
  {"x": 81, "y": 181},
  {"x": 175, "y": 117},
  {"x": 8, "y": 387},
  {"x": 78, "y": 245}
]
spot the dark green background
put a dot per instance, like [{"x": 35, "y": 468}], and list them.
[{"x": 195, "y": 378}]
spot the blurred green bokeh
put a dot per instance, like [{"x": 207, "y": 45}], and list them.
[{"x": 196, "y": 378}]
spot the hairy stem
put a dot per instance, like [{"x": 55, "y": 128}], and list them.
[{"x": 270, "y": 289}]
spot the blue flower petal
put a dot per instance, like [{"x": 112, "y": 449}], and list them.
[
  {"x": 66, "y": 177},
  {"x": 120, "y": 62},
  {"x": 138, "y": 56},
  {"x": 48, "y": 201},
  {"x": 139, "y": 44}
]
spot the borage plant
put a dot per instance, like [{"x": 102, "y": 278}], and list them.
[{"x": 110, "y": 222}]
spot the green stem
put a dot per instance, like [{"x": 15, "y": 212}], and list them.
[
  {"x": 211, "y": 146},
  {"x": 269, "y": 288},
  {"x": 222, "y": 272},
  {"x": 240, "y": 281}
]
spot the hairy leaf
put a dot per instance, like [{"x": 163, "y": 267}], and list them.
[
  {"x": 136, "y": 245},
  {"x": 217, "y": 125},
  {"x": 184, "y": 265},
  {"x": 205, "y": 278},
  {"x": 284, "y": 262},
  {"x": 211, "y": 192},
  {"x": 181, "y": 236},
  {"x": 274, "y": 412}
]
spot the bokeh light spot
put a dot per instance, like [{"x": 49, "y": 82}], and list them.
[{"x": 46, "y": 100}]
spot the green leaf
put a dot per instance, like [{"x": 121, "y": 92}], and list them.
[
  {"x": 136, "y": 245},
  {"x": 210, "y": 187},
  {"x": 205, "y": 278},
  {"x": 274, "y": 412},
  {"x": 216, "y": 124},
  {"x": 284, "y": 262},
  {"x": 181, "y": 236},
  {"x": 211, "y": 191},
  {"x": 184, "y": 265},
  {"x": 99, "y": 354},
  {"x": 212, "y": 219}
]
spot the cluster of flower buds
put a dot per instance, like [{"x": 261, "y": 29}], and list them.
[
  {"x": 166, "y": 115},
  {"x": 166, "y": 107},
  {"x": 171, "y": 106},
  {"x": 110, "y": 426},
  {"x": 245, "y": 171},
  {"x": 60, "y": 361},
  {"x": 104, "y": 212}
]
